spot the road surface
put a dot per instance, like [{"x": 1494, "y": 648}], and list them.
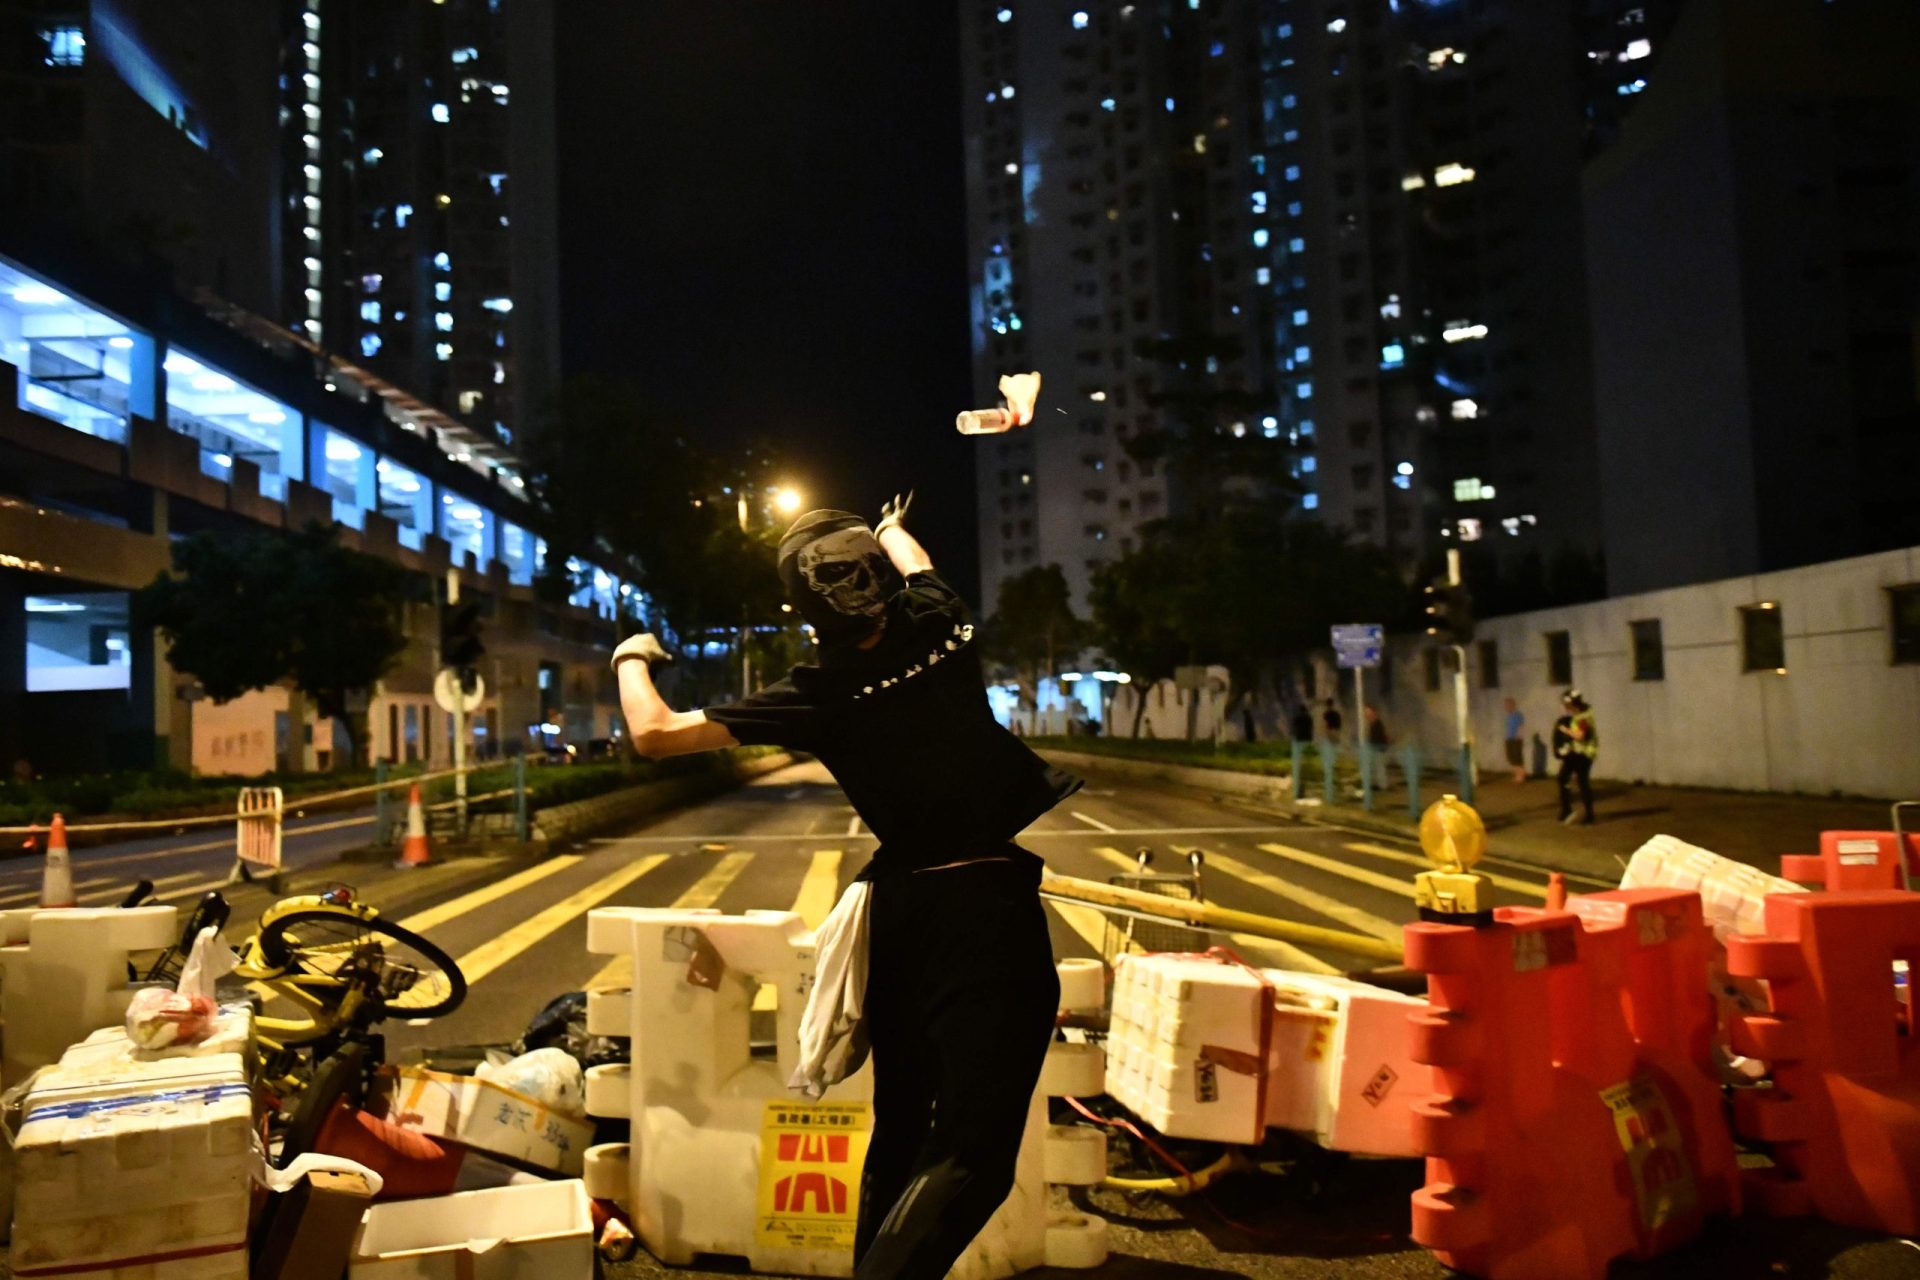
[{"x": 789, "y": 839}]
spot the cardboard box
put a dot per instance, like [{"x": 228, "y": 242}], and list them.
[
  {"x": 310, "y": 1236},
  {"x": 541, "y": 1231},
  {"x": 482, "y": 1115}
]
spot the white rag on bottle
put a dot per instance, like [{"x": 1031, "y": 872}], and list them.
[{"x": 833, "y": 1036}]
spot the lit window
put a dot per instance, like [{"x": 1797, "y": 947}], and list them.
[
  {"x": 1403, "y": 482},
  {"x": 443, "y": 199},
  {"x": 1303, "y": 355},
  {"x": 1006, "y": 91},
  {"x": 1636, "y": 50},
  {"x": 467, "y": 54},
  {"x": 443, "y": 351},
  {"x": 1337, "y": 25},
  {"x": 1286, "y": 31},
  {"x": 502, "y": 305},
  {"x": 401, "y": 212},
  {"x": 440, "y": 113},
  {"x": 1080, "y": 20},
  {"x": 1390, "y": 309},
  {"x": 1260, "y": 238},
  {"x": 1308, "y": 465},
  {"x": 1106, "y": 104},
  {"x": 1413, "y": 182},
  {"x": 1309, "y": 502},
  {"x": 1169, "y": 104},
  {"x": 1270, "y": 423},
  {"x": 1013, "y": 166},
  {"x": 1263, "y": 275},
  {"x": 1297, "y": 245},
  {"x": 443, "y": 321},
  {"x": 1293, "y": 210},
  {"x": 442, "y": 291},
  {"x": 1461, "y": 331},
  {"x": 1470, "y": 529},
  {"x": 370, "y": 311},
  {"x": 1216, "y": 50},
  {"x": 1289, "y": 102},
  {"x": 369, "y": 344},
  {"x": 1392, "y": 356},
  {"x": 1293, "y": 173},
  {"x": 442, "y": 261},
  {"x": 1005, "y": 15},
  {"x": 1304, "y": 391},
  {"x": 1299, "y": 317},
  {"x": 1632, "y": 87},
  {"x": 1465, "y": 410},
  {"x": 1452, "y": 175},
  {"x": 66, "y": 46}
]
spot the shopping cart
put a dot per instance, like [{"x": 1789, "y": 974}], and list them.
[{"x": 1128, "y": 932}]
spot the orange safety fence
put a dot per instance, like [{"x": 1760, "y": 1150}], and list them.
[
  {"x": 1576, "y": 1114},
  {"x": 1844, "y": 1111},
  {"x": 1855, "y": 860}
]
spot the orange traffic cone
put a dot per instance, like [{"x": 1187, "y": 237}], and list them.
[
  {"x": 1556, "y": 891},
  {"x": 413, "y": 850},
  {"x": 56, "y": 882}
]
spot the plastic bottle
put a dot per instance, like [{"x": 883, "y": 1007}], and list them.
[{"x": 984, "y": 422}]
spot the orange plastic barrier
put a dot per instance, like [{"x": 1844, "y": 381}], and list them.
[
  {"x": 1845, "y": 1110},
  {"x": 1854, "y": 860},
  {"x": 1575, "y": 1117}
]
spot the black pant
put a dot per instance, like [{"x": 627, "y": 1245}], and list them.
[
  {"x": 1573, "y": 766},
  {"x": 961, "y": 998}
]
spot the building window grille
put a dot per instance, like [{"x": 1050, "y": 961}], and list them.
[
  {"x": 1763, "y": 645},
  {"x": 1559, "y": 657},
  {"x": 1649, "y": 651}
]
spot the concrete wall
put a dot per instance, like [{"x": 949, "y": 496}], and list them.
[{"x": 1841, "y": 718}]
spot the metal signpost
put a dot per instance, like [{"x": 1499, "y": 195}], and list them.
[{"x": 1357, "y": 646}]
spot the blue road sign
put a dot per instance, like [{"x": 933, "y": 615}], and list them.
[{"x": 1358, "y": 644}]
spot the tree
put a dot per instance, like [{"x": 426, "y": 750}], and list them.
[
  {"x": 1033, "y": 624},
  {"x": 249, "y": 610},
  {"x": 1131, "y": 601}
]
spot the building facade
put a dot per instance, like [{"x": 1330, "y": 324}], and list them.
[
  {"x": 129, "y": 418},
  {"x": 1759, "y": 390}
]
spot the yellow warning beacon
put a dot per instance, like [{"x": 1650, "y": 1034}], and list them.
[{"x": 1453, "y": 838}]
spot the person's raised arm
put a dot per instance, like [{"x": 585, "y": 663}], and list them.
[
  {"x": 908, "y": 556},
  {"x": 656, "y": 729}
]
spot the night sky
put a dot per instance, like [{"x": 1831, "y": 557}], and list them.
[{"x": 763, "y": 226}]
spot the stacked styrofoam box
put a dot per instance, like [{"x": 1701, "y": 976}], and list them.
[
  {"x": 130, "y": 1168},
  {"x": 63, "y": 973},
  {"x": 1733, "y": 895},
  {"x": 1168, "y": 1011},
  {"x": 232, "y": 1033},
  {"x": 1340, "y": 1065}
]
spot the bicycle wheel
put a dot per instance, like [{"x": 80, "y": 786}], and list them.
[{"x": 410, "y": 977}]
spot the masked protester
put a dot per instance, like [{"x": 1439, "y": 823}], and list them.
[{"x": 961, "y": 990}]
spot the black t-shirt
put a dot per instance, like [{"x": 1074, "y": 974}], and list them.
[{"x": 905, "y": 729}]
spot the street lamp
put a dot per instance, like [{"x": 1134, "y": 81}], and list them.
[{"x": 786, "y": 501}]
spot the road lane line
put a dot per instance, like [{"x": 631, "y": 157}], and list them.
[
  {"x": 487, "y": 957},
  {"x": 1394, "y": 855},
  {"x": 746, "y": 837},
  {"x": 1090, "y": 820},
  {"x": 1333, "y": 866},
  {"x": 1288, "y": 955},
  {"x": 853, "y": 825},
  {"x": 703, "y": 893},
  {"x": 1344, "y": 912},
  {"x": 422, "y": 921},
  {"x": 1089, "y": 922},
  {"x": 84, "y": 863},
  {"x": 820, "y": 888}
]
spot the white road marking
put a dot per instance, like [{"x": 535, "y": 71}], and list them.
[
  {"x": 1285, "y": 954},
  {"x": 1029, "y": 834},
  {"x": 1527, "y": 887},
  {"x": 1091, "y": 821},
  {"x": 853, "y": 825}
]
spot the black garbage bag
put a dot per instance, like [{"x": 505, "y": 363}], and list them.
[{"x": 562, "y": 1024}]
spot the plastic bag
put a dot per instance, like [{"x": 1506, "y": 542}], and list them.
[
  {"x": 157, "y": 1018},
  {"x": 562, "y": 1024},
  {"x": 551, "y": 1077}
]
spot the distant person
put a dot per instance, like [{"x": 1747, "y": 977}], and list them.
[
  {"x": 1330, "y": 717},
  {"x": 1516, "y": 745},
  {"x": 1378, "y": 741},
  {"x": 1576, "y": 741},
  {"x": 1302, "y": 724}
]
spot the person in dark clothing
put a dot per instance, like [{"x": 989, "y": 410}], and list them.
[
  {"x": 1576, "y": 741},
  {"x": 962, "y": 991},
  {"x": 1302, "y": 724},
  {"x": 1330, "y": 717},
  {"x": 1379, "y": 746}
]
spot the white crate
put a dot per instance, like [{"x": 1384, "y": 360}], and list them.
[
  {"x": 1175, "y": 1020},
  {"x": 533, "y": 1231}
]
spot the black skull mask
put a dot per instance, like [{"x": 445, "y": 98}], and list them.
[{"x": 837, "y": 576}]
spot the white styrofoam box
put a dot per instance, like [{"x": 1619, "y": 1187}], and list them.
[
  {"x": 232, "y": 1033},
  {"x": 1346, "y": 1046},
  {"x": 533, "y": 1231},
  {"x": 1176, "y": 1020},
  {"x": 1083, "y": 983},
  {"x": 112, "y": 1171},
  {"x": 485, "y": 1116},
  {"x": 1733, "y": 895},
  {"x": 63, "y": 974}
]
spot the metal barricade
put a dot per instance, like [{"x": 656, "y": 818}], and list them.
[
  {"x": 257, "y": 829},
  {"x": 1134, "y": 933}
]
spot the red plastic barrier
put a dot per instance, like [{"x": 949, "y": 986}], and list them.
[
  {"x": 1854, "y": 860},
  {"x": 1575, "y": 1117},
  {"x": 1845, "y": 1110}
]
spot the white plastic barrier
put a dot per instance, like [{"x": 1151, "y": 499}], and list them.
[
  {"x": 63, "y": 975},
  {"x": 1208, "y": 1050},
  {"x": 724, "y": 1158},
  {"x": 1733, "y": 895},
  {"x": 135, "y": 1168}
]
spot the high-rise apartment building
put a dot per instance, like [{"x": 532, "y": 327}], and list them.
[
  {"x": 419, "y": 214},
  {"x": 1120, "y": 195},
  {"x": 1377, "y": 202}
]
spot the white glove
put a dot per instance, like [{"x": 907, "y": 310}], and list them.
[{"x": 645, "y": 646}]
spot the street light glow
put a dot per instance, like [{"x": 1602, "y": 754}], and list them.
[{"x": 786, "y": 501}]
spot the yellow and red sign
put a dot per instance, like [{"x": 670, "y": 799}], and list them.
[
  {"x": 811, "y": 1154},
  {"x": 1663, "y": 1183}
]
